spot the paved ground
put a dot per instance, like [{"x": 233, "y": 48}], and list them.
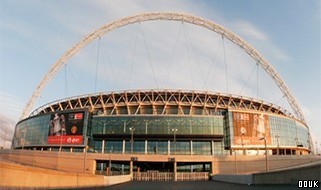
[{"x": 197, "y": 185}]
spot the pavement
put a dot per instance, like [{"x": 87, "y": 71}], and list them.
[{"x": 190, "y": 185}]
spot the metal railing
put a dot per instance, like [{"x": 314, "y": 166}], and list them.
[
  {"x": 112, "y": 173},
  {"x": 152, "y": 176},
  {"x": 195, "y": 176},
  {"x": 169, "y": 176}
]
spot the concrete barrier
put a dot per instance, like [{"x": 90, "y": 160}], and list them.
[
  {"x": 240, "y": 179},
  {"x": 19, "y": 176},
  {"x": 310, "y": 171},
  {"x": 289, "y": 176}
]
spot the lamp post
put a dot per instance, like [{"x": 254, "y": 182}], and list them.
[
  {"x": 132, "y": 129},
  {"x": 296, "y": 145},
  {"x": 60, "y": 149},
  {"x": 174, "y": 131},
  {"x": 110, "y": 162},
  {"x": 235, "y": 161},
  {"x": 4, "y": 138},
  {"x": 24, "y": 138},
  {"x": 278, "y": 144},
  {"x": 266, "y": 155},
  {"x": 85, "y": 153},
  {"x": 242, "y": 134}
]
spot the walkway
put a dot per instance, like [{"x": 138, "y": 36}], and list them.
[{"x": 189, "y": 185}]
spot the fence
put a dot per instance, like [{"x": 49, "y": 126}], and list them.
[
  {"x": 153, "y": 176},
  {"x": 195, "y": 176},
  {"x": 112, "y": 173},
  {"x": 169, "y": 176}
]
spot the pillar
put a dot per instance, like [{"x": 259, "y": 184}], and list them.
[
  {"x": 175, "y": 170},
  {"x": 212, "y": 167},
  {"x": 145, "y": 146},
  {"x": 212, "y": 144},
  {"x": 131, "y": 167},
  {"x": 124, "y": 146},
  {"x": 103, "y": 146}
]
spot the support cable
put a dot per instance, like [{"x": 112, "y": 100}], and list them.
[
  {"x": 248, "y": 78},
  {"x": 225, "y": 64},
  {"x": 195, "y": 55},
  {"x": 149, "y": 57},
  {"x": 213, "y": 63},
  {"x": 106, "y": 67},
  {"x": 173, "y": 54},
  {"x": 257, "y": 80},
  {"x": 188, "y": 57},
  {"x": 132, "y": 63},
  {"x": 122, "y": 64},
  {"x": 97, "y": 62},
  {"x": 74, "y": 77},
  {"x": 66, "y": 82}
]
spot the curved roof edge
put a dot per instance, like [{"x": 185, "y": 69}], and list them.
[{"x": 157, "y": 97}]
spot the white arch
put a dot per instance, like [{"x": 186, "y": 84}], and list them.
[{"x": 166, "y": 16}]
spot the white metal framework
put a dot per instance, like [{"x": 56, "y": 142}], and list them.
[
  {"x": 172, "y": 16},
  {"x": 162, "y": 102}
]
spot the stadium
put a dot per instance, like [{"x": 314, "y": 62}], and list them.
[{"x": 170, "y": 134}]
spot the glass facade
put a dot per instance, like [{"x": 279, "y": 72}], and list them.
[
  {"x": 157, "y": 147},
  {"x": 281, "y": 132},
  {"x": 202, "y": 148},
  {"x": 115, "y": 147},
  {"x": 32, "y": 132},
  {"x": 288, "y": 132},
  {"x": 195, "y": 135},
  {"x": 198, "y": 125},
  {"x": 37, "y": 131}
]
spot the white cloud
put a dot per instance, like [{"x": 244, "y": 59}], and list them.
[
  {"x": 259, "y": 40},
  {"x": 10, "y": 105},
  {"x": 6, "y": 131},
  {"x": 250, "y": 31},
  {"x": 84, "y": 17}
]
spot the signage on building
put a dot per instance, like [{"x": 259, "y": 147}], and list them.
[
  {"x": 66, "y": 128},
  {"x": 249, "y": 128}
]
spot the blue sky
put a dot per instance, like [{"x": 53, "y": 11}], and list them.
[{"x": 34, "y": 34}]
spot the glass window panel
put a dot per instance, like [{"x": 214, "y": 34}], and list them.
[
  {"x": 180, "y": 148},
  {"x": 157, "y": 147},
  {"x": 202, "y": 147},
  {"x": 115, "y": 147},
  {"x": 138, "y": 147}
]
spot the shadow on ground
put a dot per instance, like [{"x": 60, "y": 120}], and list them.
[{"x": 190, "y": 185}]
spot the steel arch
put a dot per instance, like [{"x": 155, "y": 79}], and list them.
[{"x": 174, "y": 17}]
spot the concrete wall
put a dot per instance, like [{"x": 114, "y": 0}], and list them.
[
  {"x": 255, "y": 164},
  {"x": 63, "y": 161},
  {"x": 79, "y": 162},
  {"x": 241, "y": 179},
  {"x": 286, "y": 176},
  {"x": 289, "y": 176},
  {"x": 19, "y": 176}
]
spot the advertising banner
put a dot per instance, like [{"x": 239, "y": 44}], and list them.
[
  {"x": 249, "y": 128},
  {"x": 66, "y": 128}
]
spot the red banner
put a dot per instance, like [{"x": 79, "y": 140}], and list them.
[
  {"x": 249, "y": 128},
  {"x": 68, "y": 139}
]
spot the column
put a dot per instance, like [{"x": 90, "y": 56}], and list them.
[
  {"x": 145, "y": 146},
  {"x": 212, "y": 167},
  {"x": 131, "y": 167},
  {"x": 175, "y": 170},
  {"x": 103, "y": 147},
  {"x": 212, "y": 143},
  {"x": 124, "y": 146}
]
